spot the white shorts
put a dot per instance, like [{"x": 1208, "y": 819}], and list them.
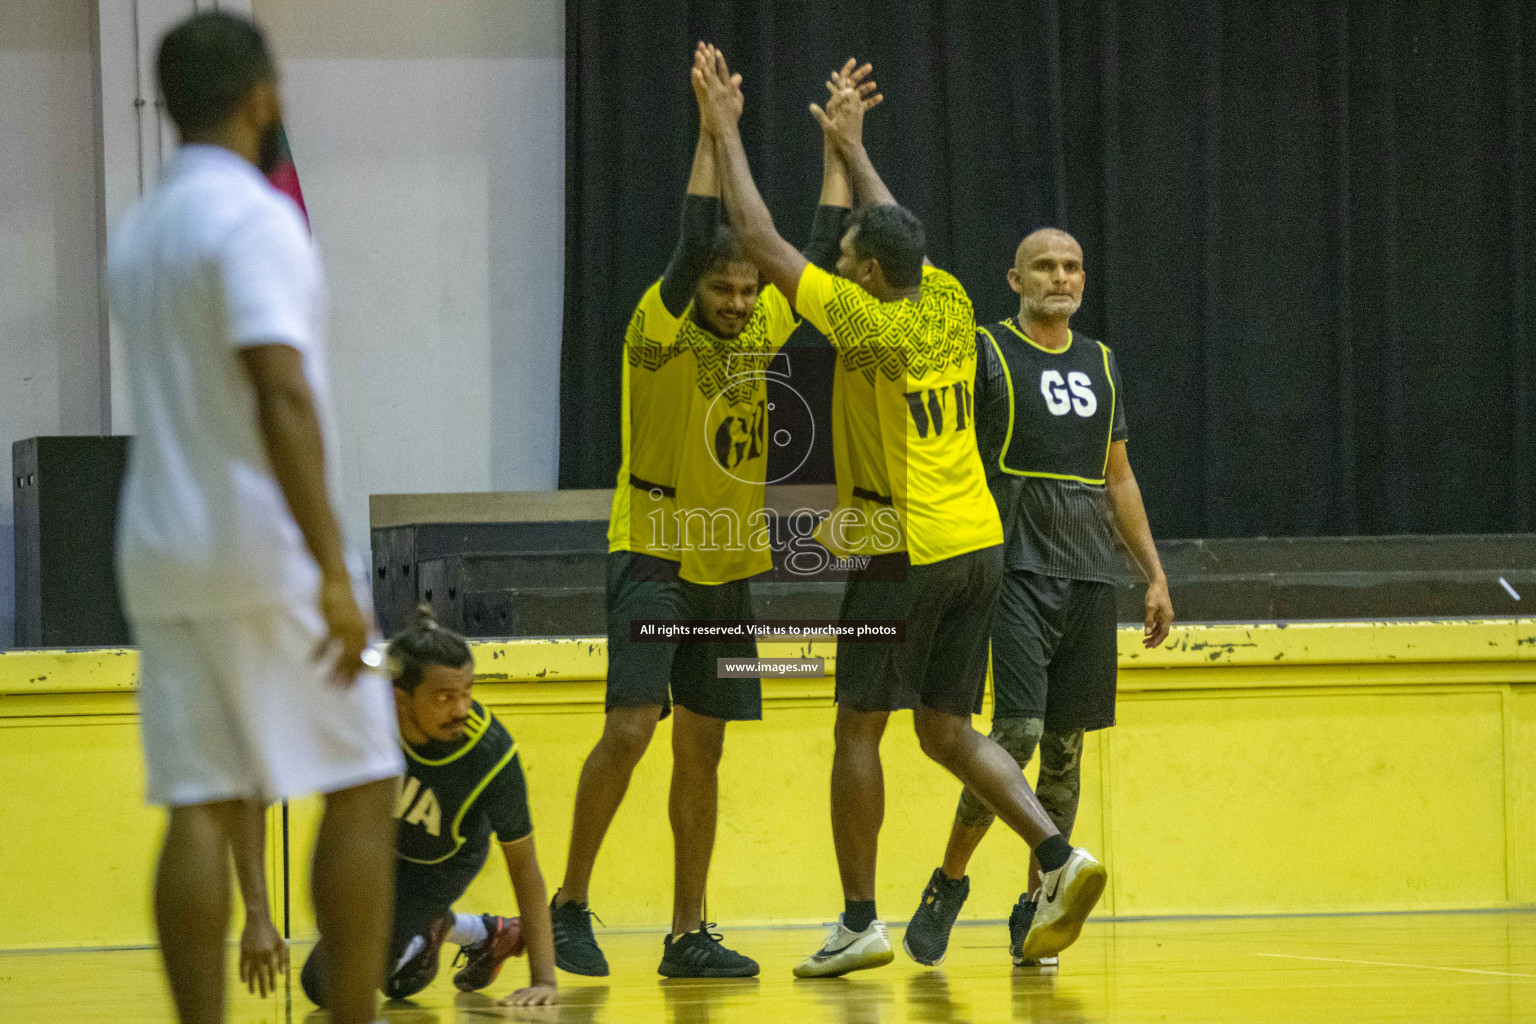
[{"x": 233, "y": 706}]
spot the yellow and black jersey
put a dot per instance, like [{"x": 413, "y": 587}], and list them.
[
  {"x": 909, "y": 476},
  {"x": 695, "y": 439},
  {"x": 1045, "y": 421},
  {"x": 457, "y": 794}
]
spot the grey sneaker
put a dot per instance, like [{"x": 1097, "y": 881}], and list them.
[
  {"x": 927, "y": 938},
  {"x": 1018, "y": 927}
]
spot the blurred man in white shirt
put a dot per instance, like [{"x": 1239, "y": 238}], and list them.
[{"x": 230, "y": 559}]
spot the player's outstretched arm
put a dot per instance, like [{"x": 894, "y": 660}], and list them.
[
  {"x": 836, "y": 186},
  {"x": 701, "y": 214},
  {"x": 1136, "y": 533},
  {"x": 720, "y": 104},
  {"x": 538, "y": 932},
  {"x": 843, "y": 123},
  {"x": 263, "y": 954}
]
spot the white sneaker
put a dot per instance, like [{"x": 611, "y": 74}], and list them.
[
  {"x": 846, "y": 951},
  {"x": 1045, "y": 963},
  {"x": 1067, "y": 896}
]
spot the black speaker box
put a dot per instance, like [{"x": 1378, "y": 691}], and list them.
[{"x": 65, "y": 492}]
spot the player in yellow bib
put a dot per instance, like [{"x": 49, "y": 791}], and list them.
[
  {"x": 906, "y": 456},
  {"x": 684, "y": 536}
]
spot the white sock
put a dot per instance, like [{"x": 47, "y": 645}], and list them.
[{"x": 468, "y": 929}]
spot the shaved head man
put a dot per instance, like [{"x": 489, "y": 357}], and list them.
[
  {"x": 1050, "y": 425},
  {"x": 1047, "y": 274}
]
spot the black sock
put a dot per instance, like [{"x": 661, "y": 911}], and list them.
[
  {"x": 858, "y": 914},
  {"x": 1053, "y": 853}
]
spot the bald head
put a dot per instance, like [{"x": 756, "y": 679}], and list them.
[
  {"x": 1048, "y": 276},
  {"x": 1045, "y": 239}
]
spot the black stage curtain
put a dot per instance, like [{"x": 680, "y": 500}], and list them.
[{"x": 1307, "y": 226}]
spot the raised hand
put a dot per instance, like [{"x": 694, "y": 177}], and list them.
[
  {"x": 850, "y": 95},
  {"x": 717, "y": 90},
  {"x": 850, "y": 76}
]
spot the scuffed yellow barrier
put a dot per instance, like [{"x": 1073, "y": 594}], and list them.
[{"x": 1255, "y": 769}]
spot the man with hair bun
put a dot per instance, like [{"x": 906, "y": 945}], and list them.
[{"x": 464, "y": 781}]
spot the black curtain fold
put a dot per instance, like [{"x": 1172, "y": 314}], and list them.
[{"x": 1307, "y": 225}]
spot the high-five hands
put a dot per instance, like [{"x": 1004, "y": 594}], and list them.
[
  {"x": 717, "y": 90},
  {"x": 849, "y": 96}
]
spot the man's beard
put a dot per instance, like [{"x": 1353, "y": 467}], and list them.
[
  {"x": 1039, "y": 310},
  {"x": 270, "y": 154}
]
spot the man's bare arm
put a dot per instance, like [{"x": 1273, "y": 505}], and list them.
[
  {"x": 836, "y": 185},
  {"x": 719, "y": 96},
  {"x": 1136, "y": 533},
  {"x": 290, "y": 430},
  {"x": 263, "y": 954},
  {"x": 843, "y": 124},
  {"x": 836, "y": 188},
  {"x": 701, "y": 215},
  {"x": 538, "y": 931}
]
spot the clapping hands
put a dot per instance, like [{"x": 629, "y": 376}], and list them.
[
  {"x": 850, "y": 94},
  {"x": 717, "y": 90}
]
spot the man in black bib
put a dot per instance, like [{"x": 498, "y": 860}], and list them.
[
  {"x": 1050, "y": 424},
  {"x": 464, "y": 782}
]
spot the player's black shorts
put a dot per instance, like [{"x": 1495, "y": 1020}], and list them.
[
  {"x": 942, "y": 662},
  {"x": 1053, "y": 651},
  {"x": 649, "y": 673}
]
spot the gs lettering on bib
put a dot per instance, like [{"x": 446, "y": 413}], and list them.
[{"x": 1064, "y": 406}]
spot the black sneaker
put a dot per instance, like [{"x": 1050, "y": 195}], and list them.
[
  {"x": 1018, "y": 927},
  {"x": 927, "y": 937},
  {"x": 700, "y": 955},
  {"x": 575, "y": 946},
  {"x": 417, "y": 972}
]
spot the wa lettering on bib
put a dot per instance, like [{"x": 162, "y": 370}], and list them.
[{"x": 454, "y": 799}]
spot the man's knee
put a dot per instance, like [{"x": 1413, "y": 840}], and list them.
[
  {"x": 859, "y": 730},
  {"x": 311, "y": 976},
  {"x": 1018, "y": 736},
  {"x": 941, "y": 735},
  {"x": 697, "y": 741},
  {"x": 627, "y": 732}
]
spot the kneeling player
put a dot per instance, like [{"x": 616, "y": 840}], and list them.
[{"x": 463, "y": 781}]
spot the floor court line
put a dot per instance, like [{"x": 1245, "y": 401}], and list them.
[{"x": 1384, "y": 963}]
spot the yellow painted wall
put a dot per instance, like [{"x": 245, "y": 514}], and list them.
[{"x": 1264, "y": 769}]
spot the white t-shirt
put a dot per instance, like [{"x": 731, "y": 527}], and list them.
[{"x": 212, "y": 261}]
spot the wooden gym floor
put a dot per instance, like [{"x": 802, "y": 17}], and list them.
[{"x": 1419, "y": 967}]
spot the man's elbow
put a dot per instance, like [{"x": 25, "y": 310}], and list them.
[{"x": 284, "y": 398}]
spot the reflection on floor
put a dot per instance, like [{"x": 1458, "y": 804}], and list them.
[{"x": 1445, "y": 967}]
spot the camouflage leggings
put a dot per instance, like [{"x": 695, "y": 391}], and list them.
[{"x": 1061, "y": 768}]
